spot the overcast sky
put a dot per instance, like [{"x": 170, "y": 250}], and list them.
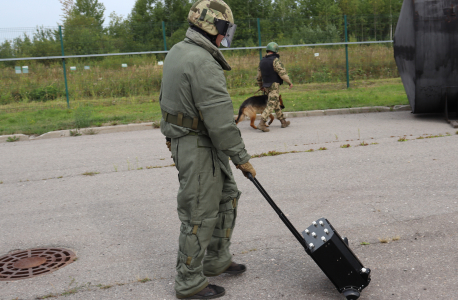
[{"x": 32, "y": 13}]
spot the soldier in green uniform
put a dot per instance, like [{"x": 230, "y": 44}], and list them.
[
  {"x": 198, "y": 122},
  {"x": 271, "y": 74}
]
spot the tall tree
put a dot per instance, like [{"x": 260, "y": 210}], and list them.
[
  {"x": 328, "y": 9},
  {"x": 348, "y": 7},
  {"x": 90, "y": 8},
  {"x": 119, "y": 31},
  {"x": 250, "y": 9},
  {"x": 245, "y": 13},
  {"x": 67, "y": 6},
  {"x": 145, "y": 24}
]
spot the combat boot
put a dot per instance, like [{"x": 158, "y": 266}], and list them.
[
  {"x": 262, "y": 126},
  {"x": 210, "y": 292},
  {"x": 235, "y": 269},
  {"x": 284, "y": 123}
]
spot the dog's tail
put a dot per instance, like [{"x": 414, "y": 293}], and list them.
[{"x": 240, "y": 114}]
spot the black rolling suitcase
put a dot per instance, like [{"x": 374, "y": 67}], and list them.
[{"x": 329, "y": 250}]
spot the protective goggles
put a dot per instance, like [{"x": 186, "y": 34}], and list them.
[{"x": 226, "y": 29}]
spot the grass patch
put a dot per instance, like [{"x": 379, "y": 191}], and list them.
[
  {"x": 158, "y": 167},
  {"x": 144, "y": 280},
  {"x": 323, "y": 148},
  {"x": 271, "y": 153},
  {"x": 387, "y": 240},
  {"x": 434, "y": 136},
  {"x": 74, "y": 133},
  {"x": 48, "y": 117},
  {"x": 403, "y": 139},
  {"x": 12, "y": 139},
  {"x": 90, "y": 173},
  {"x": 345, "y": 146},
  {"x": 70, "y": 292},
  {"x": 40, "y": 117},
  {"x": 385, "y": 92},
  {"x": 48, "y": 296},
  {"x": 363, "y": 143},
  {"x": 364, "y": 243},
  {"x": 90, "y": 131},
  {"x": 104, "y": 287},
  {"x": 384, "y": 240}
]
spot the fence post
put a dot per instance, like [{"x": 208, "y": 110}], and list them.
[
  {"x": 63, "y": 63},
  {"x": 259, "y": 38},
  {"x": 163, "y": 35},
  {"x": 346, "y": 51}
]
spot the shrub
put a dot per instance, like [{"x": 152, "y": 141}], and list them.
[{"x": 43, "y": 94}]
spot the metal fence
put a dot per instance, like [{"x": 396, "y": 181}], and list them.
[{"x": 59, "y": 66}]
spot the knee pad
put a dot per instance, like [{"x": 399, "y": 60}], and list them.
[{"x": 226, "y": 218}]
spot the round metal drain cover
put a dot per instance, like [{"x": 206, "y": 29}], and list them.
[{"x": 33, "y": 262}]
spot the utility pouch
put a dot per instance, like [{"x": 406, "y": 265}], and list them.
[{"x": 183, "y": 121}]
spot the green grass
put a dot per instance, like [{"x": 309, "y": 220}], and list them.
[
  {"x": 384, "y": 92},
  {"x": 12, "y": 139},
  {"x": 51, "y": 119},
  {"x": 52, "y": 115}
]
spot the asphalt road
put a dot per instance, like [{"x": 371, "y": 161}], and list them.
[{"x": 123, "y": 226}]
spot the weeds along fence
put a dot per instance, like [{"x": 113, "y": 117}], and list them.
[{"x": 57, "y": 67}]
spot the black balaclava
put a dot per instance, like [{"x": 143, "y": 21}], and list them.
[{"x": 211, "y": 38}]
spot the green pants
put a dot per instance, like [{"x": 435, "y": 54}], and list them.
[{"x": 207, "y": 201}]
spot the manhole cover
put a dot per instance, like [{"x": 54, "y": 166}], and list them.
[{"x": 33, "y": 262}]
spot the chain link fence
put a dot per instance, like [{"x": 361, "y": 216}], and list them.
[{"x": 122, "y": 63}]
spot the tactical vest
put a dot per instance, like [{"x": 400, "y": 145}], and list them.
[{"x": 268, "y": 73}]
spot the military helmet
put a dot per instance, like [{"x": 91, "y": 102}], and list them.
[
  {"x": 272, "y": 46},
  {"x": 204, "y": 12}
]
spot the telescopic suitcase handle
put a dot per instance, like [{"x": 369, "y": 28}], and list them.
[{"x": 285, "y": 220}]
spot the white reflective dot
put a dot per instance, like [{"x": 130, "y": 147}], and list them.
[
  {"x": 311, "y": 245},
  {"x": 313, "y": 234},
  {"x": 321, "y": 223},
  {"x": 363, "y": 270},
  {"x": 314, "y": 223},
  {"x": 307, "y": 231},
  {"x": 323, "y": 239},
  {"x": 326, "y": 231}
]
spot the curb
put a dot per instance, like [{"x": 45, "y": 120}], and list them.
[
  {"x": 145, "y": 126},
  {"x": 342, "y": 111}
]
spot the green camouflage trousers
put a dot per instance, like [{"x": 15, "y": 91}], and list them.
[
  {"x": 273, "y": 102},
  {"x": 207, "y": 208}
]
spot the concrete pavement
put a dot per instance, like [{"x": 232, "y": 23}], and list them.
[{"x": 122, "y": 221}]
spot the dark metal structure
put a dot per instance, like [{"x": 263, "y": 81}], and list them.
[
  {"x": 329, "y": 251},
  {"x": 426, "y": 53}
]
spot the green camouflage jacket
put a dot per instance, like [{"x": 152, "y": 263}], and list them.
[{"x": 193, "y": 83}]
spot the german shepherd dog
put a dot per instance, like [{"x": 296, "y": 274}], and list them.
[{"x": 255, "y": 105}]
